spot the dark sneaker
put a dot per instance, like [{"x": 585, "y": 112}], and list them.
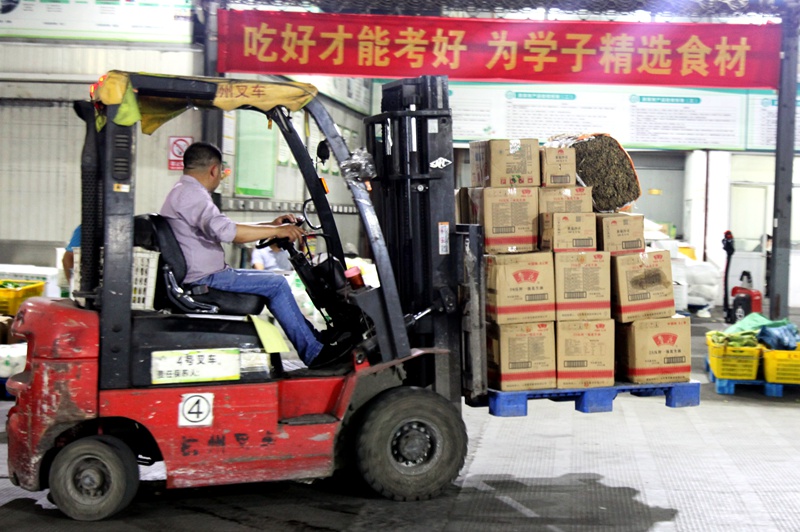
[{"x": 329, "y": 355}]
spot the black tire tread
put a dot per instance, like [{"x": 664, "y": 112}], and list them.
[
  {"x": 382, "y": 406},
  {"x": 127, "y": 464}
]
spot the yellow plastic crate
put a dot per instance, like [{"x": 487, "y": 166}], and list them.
[
  {"x": 782, "y": 367},
  {"x": 733, "y": 363},
  {"x": 12, "y": 298}
]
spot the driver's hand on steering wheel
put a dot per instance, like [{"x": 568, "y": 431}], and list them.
[
  {"x": 290, "y": 231},
  {"x": 285, "y": 219}
]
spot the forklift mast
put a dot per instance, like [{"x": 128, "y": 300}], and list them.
[{"x": 411, "y": 142}]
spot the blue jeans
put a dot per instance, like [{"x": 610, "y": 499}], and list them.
[{"x": 280, "y": 302}]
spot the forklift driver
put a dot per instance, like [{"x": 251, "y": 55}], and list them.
[{"x": 200, "y": 228}]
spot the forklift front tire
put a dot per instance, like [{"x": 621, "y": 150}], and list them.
[
  {"x": 411, "y": 445},
  {"x": 94, "y": 478}
]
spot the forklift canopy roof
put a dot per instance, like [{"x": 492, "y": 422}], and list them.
[{"x": 155, "y": 99}]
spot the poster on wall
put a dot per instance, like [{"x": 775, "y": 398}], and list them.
[
  {"x": 637, "y": 116},
  {"x": 762, "y": 121},
  {"x": 162, "y": 21}
]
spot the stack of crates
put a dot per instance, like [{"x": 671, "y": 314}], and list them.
[
  {"x": 13, "y": 292},
  {"x": 743, "y": 363}
]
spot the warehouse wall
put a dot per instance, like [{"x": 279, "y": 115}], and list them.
[
  {"x": 724, "y": 171},
  {"x": 41, "y": 138}
]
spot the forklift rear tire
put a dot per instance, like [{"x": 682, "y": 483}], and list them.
[
  {"x": 94, "y": 478},
  {"x": 411, "y": 445}
]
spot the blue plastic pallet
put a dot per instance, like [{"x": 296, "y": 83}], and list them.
[
  {"x": 728, "y": 386},
  {"x": 592, "y": 400}
]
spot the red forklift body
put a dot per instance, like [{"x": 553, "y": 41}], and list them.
[
  {"x": 62, "y": 368},
  {"x": 237, "y": 433}
]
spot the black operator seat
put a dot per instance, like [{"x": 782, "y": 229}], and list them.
[{"x": 153, "y": 232}]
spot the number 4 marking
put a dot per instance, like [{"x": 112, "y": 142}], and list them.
[{"x": 196, "y": 410}]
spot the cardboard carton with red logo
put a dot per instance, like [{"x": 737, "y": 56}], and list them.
[
  {"x": 558, "y": 167},
  {"x": 521, "y": 356},
  {"x": 508, "y": 216},
  {"x": 565, "y": 199},
  {"x": 641, "y": 286},
  {"x": 655, "y": 351},
  {"x": 584, "y": 354},
  {"x": 583, "y": 286},
  {"x": 564, "y": 231},
  {"x": 620, "y": 233},
  {"x": 520, "y": 288},
  {"x": 505, "y": 163}
]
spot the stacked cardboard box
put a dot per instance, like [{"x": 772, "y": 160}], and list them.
[
  {"x": 566, "y": 231},
  {"x": 653, "y": 345},
  {"x": 655, "y": 350},
  {"x": 521, "y": 356},
  {"x": 520, "y": 299},
  {"x": 508, "y": 217},
  {"x": 641, "y": 286},
  {"x": 520, "y": 305},
  {"x": 585, "y": 353},
  {"x": 584, "y": 330},
  {"x": 565, "y": 199},
  {"x": 620, "y": 233},
  {"x": 558, "y": 167},
  {"x": 505, "y": 163}
]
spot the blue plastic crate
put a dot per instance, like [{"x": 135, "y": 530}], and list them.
[{"x": 592, "y": 400}]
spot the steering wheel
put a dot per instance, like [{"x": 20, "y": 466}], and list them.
[{"x": 282, "y": 242}]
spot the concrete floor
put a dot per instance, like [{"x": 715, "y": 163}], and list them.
[{"x": 730, "y": 464}]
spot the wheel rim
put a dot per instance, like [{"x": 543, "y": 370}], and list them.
[
  {"x": 414, "y": 445},
  {"x": 90, "y": 479}
]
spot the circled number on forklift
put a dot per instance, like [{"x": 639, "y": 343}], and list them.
[{"x": 196, "y": 410}]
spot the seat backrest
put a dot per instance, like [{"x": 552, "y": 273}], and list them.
[{"x": 153, "y": 232}]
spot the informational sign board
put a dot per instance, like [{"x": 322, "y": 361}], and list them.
[
  {"x": 637, "y": 116},
  {"x": 195, "y": 365},
  {"x": 163, "y": 21},
  {"x": 177, "y": 146}
]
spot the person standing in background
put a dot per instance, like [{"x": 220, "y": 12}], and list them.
[
  {"x": 68, "y": 260},
  {"x": 271, "y": 259}
]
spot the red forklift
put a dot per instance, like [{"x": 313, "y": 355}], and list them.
[
  {"x": 107, "y": 388},
  {"x": 90, "y": 405}
]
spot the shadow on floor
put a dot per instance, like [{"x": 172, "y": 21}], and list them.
[{"x": 570, "y": 503}]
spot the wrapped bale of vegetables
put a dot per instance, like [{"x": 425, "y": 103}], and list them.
[
  {"x": 603, "y": 164},
  {"x": 736, "y": 339}
]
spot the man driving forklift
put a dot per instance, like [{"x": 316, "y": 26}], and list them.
[{"x": 200, "y": 228}]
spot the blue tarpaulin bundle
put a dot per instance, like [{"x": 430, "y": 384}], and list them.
[{"x": 783, "y": 338}]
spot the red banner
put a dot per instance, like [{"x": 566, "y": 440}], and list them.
[{"x": 677, "y": 54}]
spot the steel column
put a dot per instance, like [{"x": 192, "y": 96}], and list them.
[{"x": 784, "y": 160}]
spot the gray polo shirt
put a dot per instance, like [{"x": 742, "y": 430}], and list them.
[{"x": 199, "y": 227}]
